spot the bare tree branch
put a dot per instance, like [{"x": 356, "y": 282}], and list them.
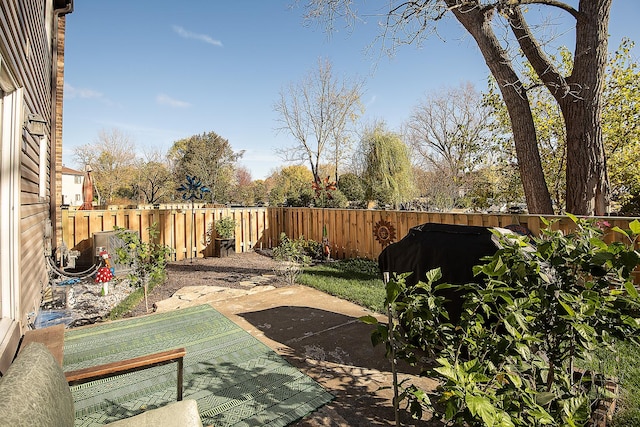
[{"x": 316, "y": 113}]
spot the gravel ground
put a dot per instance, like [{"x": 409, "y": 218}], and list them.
[
  {"x": 226, "y": 272},
  {"x": 80, "y": 301}
]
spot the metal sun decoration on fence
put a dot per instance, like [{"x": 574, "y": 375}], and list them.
[{"x": 384, "y": 232}]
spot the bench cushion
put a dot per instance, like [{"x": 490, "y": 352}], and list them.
[
  {"x": 35, "y": 392},
  {"x": 176, "y": 414}
]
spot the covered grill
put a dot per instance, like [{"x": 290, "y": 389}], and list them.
[{"x": 453, "y": 248}]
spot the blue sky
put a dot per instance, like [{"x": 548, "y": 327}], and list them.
[{"x": 164, "y": 70}]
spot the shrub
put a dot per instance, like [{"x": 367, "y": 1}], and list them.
[
  {"x": 303, "y": 197},
  {"x": 311, "y": 248},
  {"x": 351, "y": 186},
  {"x": 541, "y": 309},
  {"x": 147, "y": 260},
  {"x": 292, "y": 257},
  {"x": 225, "y": 227},
  {"x": 338, "y": 200}
]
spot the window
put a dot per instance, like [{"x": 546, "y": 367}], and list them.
[
  {"x": 10, "y": 149},
  {"x": 44, "y": 167}
]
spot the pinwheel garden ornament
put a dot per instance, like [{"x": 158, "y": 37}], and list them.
[
  {"x": 193, "y": 189},
  {"x": 324, "y": 188}
]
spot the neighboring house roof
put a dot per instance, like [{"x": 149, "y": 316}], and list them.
[{"x": 69, "y": 171}]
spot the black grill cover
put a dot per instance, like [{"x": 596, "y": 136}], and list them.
[{"x": 453, "y": 248}]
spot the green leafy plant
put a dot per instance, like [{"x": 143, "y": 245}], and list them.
[
  {"x": 311, "y": 248},
  {"x": 225, "y": 227},
  {"x": 292, "y": 256},
  {"x": 147, "y": 260},
  {"x": 542, "y": 306}
]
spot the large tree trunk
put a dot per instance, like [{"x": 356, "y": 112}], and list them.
[
  {"x": 478, "y": 23},
  {"x": 587, "y": 180},
  {"x": 580, "y": 99}
]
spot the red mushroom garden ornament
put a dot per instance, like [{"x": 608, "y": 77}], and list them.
[{"x": 104, "y": 274}]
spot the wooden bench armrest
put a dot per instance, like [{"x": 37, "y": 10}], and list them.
[
  {"x": 52, "y": 337},
  {"x": 108, "y": 370}
]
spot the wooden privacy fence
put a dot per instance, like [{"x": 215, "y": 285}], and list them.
[
  {"x": 351, "y": 233},
  {"x": 187, "y": 231},
  {"x": 361, "y": 233}
]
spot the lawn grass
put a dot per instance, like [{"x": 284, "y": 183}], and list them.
[
  {"x": 355, "y": 280},
  {"x": 127, "y": 304},
  {"x": 625, "y": 365}
]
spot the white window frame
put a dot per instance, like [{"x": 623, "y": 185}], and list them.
[
  {"x": 11, "y": 124},
  {"x": 43, "y": 163}
]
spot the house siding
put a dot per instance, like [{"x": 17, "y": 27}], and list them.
[{"x": 32, "y": 55}]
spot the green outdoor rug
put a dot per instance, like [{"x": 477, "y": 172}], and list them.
[{"x": 236, "y": 379}]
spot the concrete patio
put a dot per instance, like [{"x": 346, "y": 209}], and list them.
[{"x": 320, "y": 335}]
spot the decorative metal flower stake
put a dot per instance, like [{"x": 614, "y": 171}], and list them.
[
  {"x": 323, "y": 189},
  {"x": 193, "y": 190}
]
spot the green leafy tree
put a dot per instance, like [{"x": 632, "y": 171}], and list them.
[
  {"x": 387, "y": 175},
  {"x": 482, "y": 189},
  {"x": 620, "y": 126},
  {"x": 291, "y": 185},
  {"x": 337, "y": 200},
  {"x": 327, "y": 195},
  {"x": 292, "y": 257},
  {"x": 351, "y": 186},
  {"x": 549, "y": 125},
  {"x": 147, "y": 259},
  {"x": 260, "y": 191},
  {"x": 211, "y": 158}
]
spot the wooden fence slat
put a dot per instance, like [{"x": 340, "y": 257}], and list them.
[
  {"x": 335, "y": 232},
  {"x": 66, "y": 233}
]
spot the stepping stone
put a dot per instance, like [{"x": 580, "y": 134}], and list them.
[{"x": 197, "y": 295}]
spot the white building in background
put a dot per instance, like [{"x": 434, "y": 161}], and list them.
[{"x": 72, "y": 187}]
